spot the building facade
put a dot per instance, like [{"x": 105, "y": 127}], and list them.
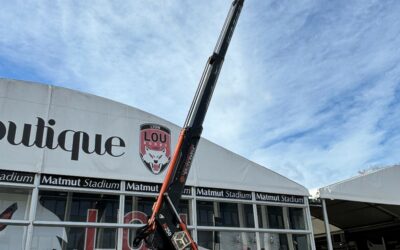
[{"x": 82, "y": 172}]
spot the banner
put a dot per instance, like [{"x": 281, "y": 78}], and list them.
[
  {"x": 282, "y": 198},
  {"x": 223, "y": 193},
  {"x": 147, "y": 187},
  {"x": 79, "y": 182},
  {"x": 16, "y": 177}
]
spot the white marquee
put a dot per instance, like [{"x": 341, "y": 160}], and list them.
[
  {"x": 381, "y": 187},
  {"x": 44, "y": 129}
]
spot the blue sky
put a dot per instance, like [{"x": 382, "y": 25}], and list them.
[{"x": 309, "y": 89}]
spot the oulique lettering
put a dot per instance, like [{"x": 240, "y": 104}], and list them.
[{"x": 72, "y": 141}]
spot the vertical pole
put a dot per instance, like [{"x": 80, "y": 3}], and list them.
[
  {"x": 383, "y": 243},
  {"x": 26, "y": 217},
  {"x": 66, "y": 217},
  {"x": 32, "y": 211},
  {"x": 241, "y": 215},
  {"x": 265, "y": 224},
  {"x": 194, "y": 215},
  {"x": 327, "y": 229},
  {"x": 121, "y": 213},
  {"x": 255, "y": 216},
  {"x": 287, "y": 225},
  {"x": 309, "y": 222},
  {"x": 216, "y": 244}
]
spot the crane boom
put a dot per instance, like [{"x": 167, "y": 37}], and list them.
[{"x": 165, "y": 229}]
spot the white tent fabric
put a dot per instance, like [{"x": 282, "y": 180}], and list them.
[
  {"x": 215, "y": 166},
  {"x": 72, "y": 112},
  {"x": 381, "y": 186}
]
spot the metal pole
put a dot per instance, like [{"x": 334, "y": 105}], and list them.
[
  {"x": 32, "y": 211},
  {"x": 287, "y": 225},
  {"x": 383, "y": 243},
  {"x": 66, "y": 218},
  {"x": 121, "y": 213},
  {"x": 327, "y": 229},
  {"x": 309, "y": 222},
  {"x": 194, "y": 215},
  {"x": 256, "y": 223}
]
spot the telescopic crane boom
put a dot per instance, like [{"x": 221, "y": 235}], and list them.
[{"x": 165, "y": 230}]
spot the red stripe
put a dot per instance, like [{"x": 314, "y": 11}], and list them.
[{"x": 90, "y": 236}]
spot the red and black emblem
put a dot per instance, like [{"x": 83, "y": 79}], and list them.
[{"x": 155, "y": 147}]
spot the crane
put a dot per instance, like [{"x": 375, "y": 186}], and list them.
[{"x": 165, "y": 230}]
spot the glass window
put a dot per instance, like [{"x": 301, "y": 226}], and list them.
[
  {"x": 206, "y": 239},
  {"x": 227, "y": 240},
  {"x": 128, "y": 238},
  {"x": 274, "y": 217},
  {"x": 248, "y": 216},
  {"x": 185, "y": 211},
  {"x": 296, "y": 218},
  {"x": 139, "y": 205},
  {"x": 82, "y": 207},
  {"x": 224, "y": 214},
  {"x": 205, "y": 213},
  {"x": 275, "y": 241},
  {"x": 137, "y": 209},
  {"x": 229, "y": 215},
  {"x": 12, "y": 237},
  {"x": 300, "y": 242},
  {"x": 270, "y": 217},
  {"x": 71, "y": 238},
  {"x": 14, "y": 203}
]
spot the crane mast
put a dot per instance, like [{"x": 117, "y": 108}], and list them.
[{"x": 165, "y": 229}]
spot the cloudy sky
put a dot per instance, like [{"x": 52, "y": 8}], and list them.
[{"x": 309, "y": 89}]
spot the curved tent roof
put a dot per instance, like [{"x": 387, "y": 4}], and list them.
[
  {"x": 381, "y": 186},
  {"x": 24, "y": 103},
  {"x": 363, "y": 202}
]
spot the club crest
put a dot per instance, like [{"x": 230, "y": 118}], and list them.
[{"x": 155, "y": 147}]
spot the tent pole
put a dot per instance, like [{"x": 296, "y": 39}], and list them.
[
  {"x": 309, "y": 221},
  {"x": 383, "y": 243},
  {"x": 327, "y": 229}
]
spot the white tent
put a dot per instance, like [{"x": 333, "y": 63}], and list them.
[
  {"x": 381, "y": 186},
  {"x": 72, "y": 112},
  {"x": 362, "y": 203}
]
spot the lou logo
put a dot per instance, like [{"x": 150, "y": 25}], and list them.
[{"x": 155, "y": 147}]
